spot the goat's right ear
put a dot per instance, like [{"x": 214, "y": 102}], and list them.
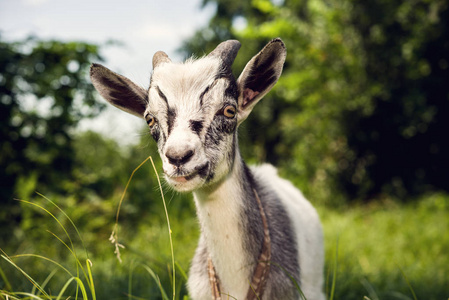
[
  {"x": 119, "y": 90},
  {"x": 260, "y": 74}
]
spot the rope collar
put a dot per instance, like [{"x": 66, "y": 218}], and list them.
[{"x": 259, "y": 280}]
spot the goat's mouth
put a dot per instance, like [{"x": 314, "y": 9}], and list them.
[{"x": 180, "y": 176}]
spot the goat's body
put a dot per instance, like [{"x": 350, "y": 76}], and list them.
[
  {"x": 232, "y": 236},
  {"x": 307, "y": 230}
]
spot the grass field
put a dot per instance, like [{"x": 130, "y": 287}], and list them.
[
  {"x": 380, "y": 251},
  {"x": 388, "y": 251}
]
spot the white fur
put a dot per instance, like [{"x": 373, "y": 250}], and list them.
[
  {"x": 182, "y": 85},
  {"x": 218, "y": 212},
  {"x": 307, "y": 227},
  {"x": 219, "y": 195}
]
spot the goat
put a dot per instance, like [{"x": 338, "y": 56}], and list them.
[{"x": 257, "y": 230}]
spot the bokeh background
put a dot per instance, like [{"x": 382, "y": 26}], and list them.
[{"x": 358, "y": 121}]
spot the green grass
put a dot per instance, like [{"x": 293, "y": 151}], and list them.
[
  {"x": 390, "y": 251},
  {"x": 38, "y": 290},
  {"x": 378, "y": 251}
]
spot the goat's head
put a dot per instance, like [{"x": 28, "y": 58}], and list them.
[{"x": 193, "y": 109}]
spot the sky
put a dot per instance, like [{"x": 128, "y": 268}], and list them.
[{"x": 143, "y": 26}]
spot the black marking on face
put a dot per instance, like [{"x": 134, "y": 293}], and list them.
[
  {"x": 222, "y": 123},
  {"x": 219, "y": 128},
  {"x": 225, "y": 72},
  {"x": 208, "y": 88},
  {"x": 155, "y": 133},
  {"x": 163, "y": 140},
  {"x": 204, "y": 171},
  {"x": 213, "y": 136},
  {"x": 163, "y": 97},
  {"x": 232, "y": 90},
  {"x": 229, "y": 126},
  {"x": 171, "y": 116},
  {"x": 196, "y": 126},
  {"x": 231, "y": 155},
  {"x": 202, "y": 95}
]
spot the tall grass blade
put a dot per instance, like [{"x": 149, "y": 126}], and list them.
[
  {"x": 5, "y": 279},
  {"x": 60, "y": 224},
  {"x": 169, "y": 228},
  {"x": 229, "y": 296},
  {"x": 130, "y": 281},
  {"x": 158, "y": 281},
  {"x": 114, "y": 236},
  {"x": 44, "y": 258},
  {"x": 181, "y": 271},
  {"x": 408, "y": 282},
  {"x": 328, "y": 274},
  {"x": 71, "y": 248},
  {"x": 334, "y": 278},
  {"x": 79, "y": 284},
  {"x": 70, "y": 220},
  {"x": 91, "y": 280},
  {"x": 27, "y": 276},
  {"x": 372, "y": 293},
  {"x": 46, "y": 281},
  {"x": 254, "y": 291},
  {"x": 77, "y": 262},
  {"x": 12, "y": 296},
  {"x": 71, "y": 251}
]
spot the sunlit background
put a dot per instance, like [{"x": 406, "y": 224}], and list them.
[
  {"x": 139, "y": 28},
  {"x": 358, "y": 121}
]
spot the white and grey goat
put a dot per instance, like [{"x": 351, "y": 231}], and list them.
[{"x": 257, "y": 230}]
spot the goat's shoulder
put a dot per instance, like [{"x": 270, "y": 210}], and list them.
[{"x": 291, "y": 197}]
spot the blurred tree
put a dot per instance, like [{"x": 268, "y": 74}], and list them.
[
  {"x": 363, "y": 101},
  {"x": 44, "y": 93},
  {"x": 98, "y": 167},
  {"x": 402, "y": 144}
]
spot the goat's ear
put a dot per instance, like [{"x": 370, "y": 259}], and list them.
[
  {"x": 260, "y": 74},
  {"x": 119, "y": 90}
]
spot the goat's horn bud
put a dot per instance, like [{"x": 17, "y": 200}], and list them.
[
  {"x": 160, "y": 57},
  {"x": 227, "y": 51}
]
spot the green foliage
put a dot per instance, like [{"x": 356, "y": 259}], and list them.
[
  {"x": 361, "y": 107},
  {"x": 85, "y": 265},
  {"x": 44, "y": 92},
  {"x": 385, "y": 251},
  {"x": 361, "y": 110},
  {"x": 401, "y": 144},
  {"x": 99, "y": 166}
]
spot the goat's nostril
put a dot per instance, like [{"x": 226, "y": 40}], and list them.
[
  {"x": 187, "y": 156},
  {"x": 179, "y": 159}
]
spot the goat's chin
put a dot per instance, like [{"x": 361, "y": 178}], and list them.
[{"x": 183, "y": 185}]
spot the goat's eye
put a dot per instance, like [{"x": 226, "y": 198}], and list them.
[
  {"x": 229, "y": 111},
  {"x": 151, "y": 120}
]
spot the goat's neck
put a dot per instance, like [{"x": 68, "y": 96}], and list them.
[{"x": 221, "y": 211}]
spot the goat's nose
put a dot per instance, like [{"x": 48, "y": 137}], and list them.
[{"x": 179, "y": 158}]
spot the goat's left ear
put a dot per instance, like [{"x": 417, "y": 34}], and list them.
[{"x": 260, "y": 74}]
